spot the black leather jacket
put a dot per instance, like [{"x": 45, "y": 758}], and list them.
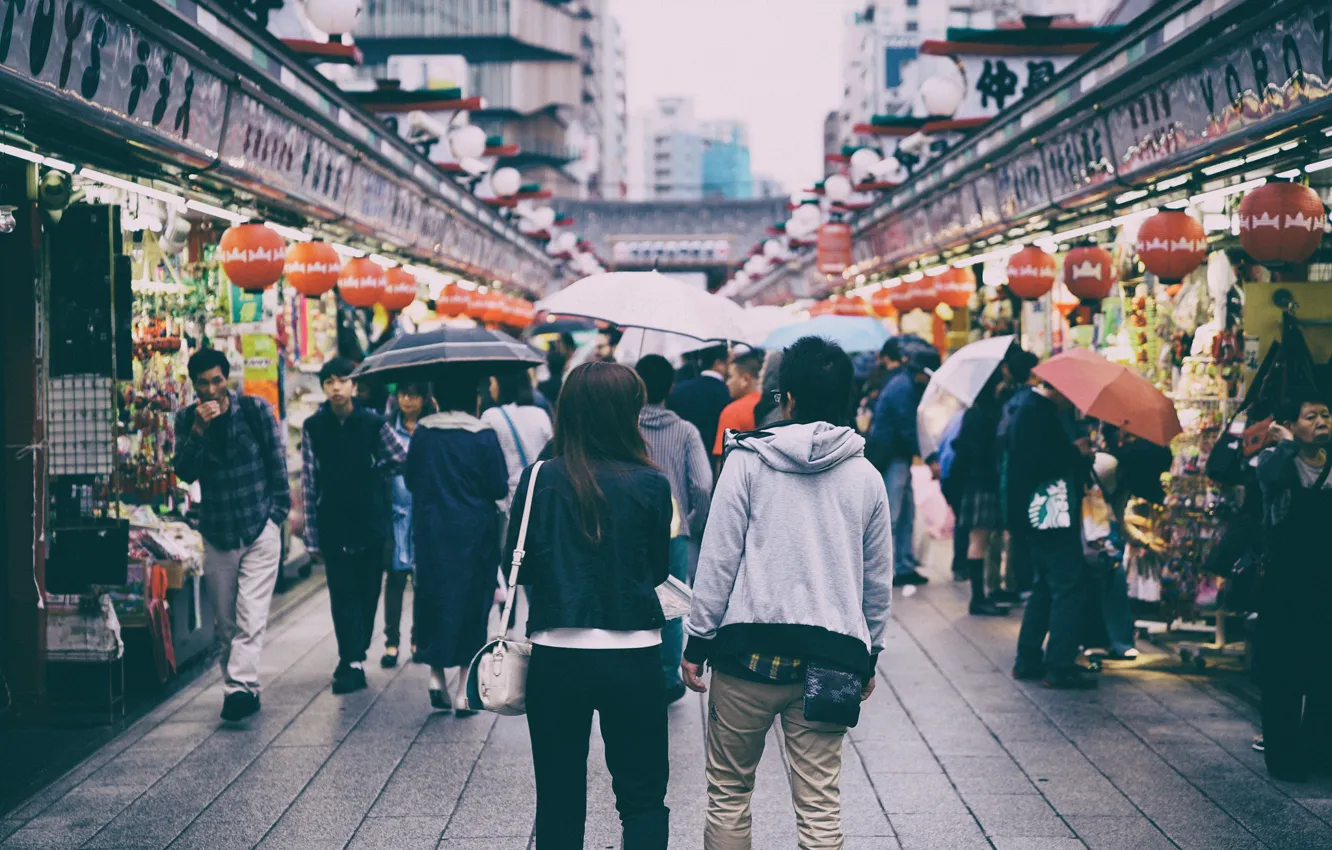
[{"x": 577, "y": 584}]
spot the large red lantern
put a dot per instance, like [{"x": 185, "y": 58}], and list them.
[
  {"x": 399, "y": 289},
  {"x": 1089, "y": 272},
  {"x": 491, "y": 309},
  {"x": 850, "y": 305},
  {"x": 900, "y": 297},
  {"x": 955, "y": 287},
  {"x": 252, "y": 255},
  {"x": 312, "y": 267},
  {"x": 362, "y": 282},
  {"x": 1171, "y": 244},
  {"x": 452, "y": 301},
  {"x": 1031, "y": 273},
  {"x": 881, "y": 303},
  {"x": 1281, "y": 223}
]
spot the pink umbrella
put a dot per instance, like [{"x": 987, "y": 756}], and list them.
[{"x": 1112, "y": 393}]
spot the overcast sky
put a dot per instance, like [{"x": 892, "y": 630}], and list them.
[{"x": 776, "y": 65}]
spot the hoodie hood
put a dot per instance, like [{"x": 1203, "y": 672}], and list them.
[
  {"x": 655, "y": 417},
  {"x": 812, "y": 448},
  {"x": 454, "y": 420}
]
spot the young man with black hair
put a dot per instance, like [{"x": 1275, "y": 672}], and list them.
[
  {"x": 348, "y": 455},
  {"x": 700, "y": 401},
  {"x": 743, "y": 382},
  {"x": 231, "y": 445},
  {"x": 791, "y": 600}
]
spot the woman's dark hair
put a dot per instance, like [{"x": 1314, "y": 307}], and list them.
[
  {"x": 819, "y": 377},
  {"x": 1020, "y": 362},
  {"x": 658, "y": 376},
  {"x": 515, "y": 388},
  {"x": 420, "y": 389},
  {"x": 1290, "y": 407},
  {"x": 208, "y": 358},
  {"x": 462, "y": 392},
  {"x": 596, "y": 421}
]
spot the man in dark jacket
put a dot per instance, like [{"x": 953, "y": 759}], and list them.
[
  {"x": 700, "y": 401},
  {"x": 1045, "y": 474},
  {"x": 894, "y": 446},
  {"x": 348, "y": 455}
]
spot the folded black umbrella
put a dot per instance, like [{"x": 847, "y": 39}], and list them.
[{"x": 419, "y": 355}]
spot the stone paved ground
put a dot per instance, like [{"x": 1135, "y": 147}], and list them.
[{"x": 951, "y": 753}]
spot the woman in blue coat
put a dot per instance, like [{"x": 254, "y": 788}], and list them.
[{"x": 456, "y": 474}]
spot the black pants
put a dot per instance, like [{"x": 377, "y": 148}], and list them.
[
  {"x": 1021, "y": 572},
  {"x": 1057, "y": 600},
  {"x": 1297, "y": 732},
  {"x": 564, "y": 687},
  {"x": 354, "y": 576},
  {"x": 395, "y": 583}
]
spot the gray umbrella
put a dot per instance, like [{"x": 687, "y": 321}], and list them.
[{"x": 419, "y": 354}]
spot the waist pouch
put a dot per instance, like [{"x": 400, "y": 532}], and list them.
[{"x": 832, "y": 696}]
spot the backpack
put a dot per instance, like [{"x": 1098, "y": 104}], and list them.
[{"x": 947, "y": 454}]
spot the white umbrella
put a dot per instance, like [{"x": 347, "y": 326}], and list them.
[
  {"x": 652, "y": 301},
  {"x": 954, "y": 387},
  {"x": 761, "y": 321}
]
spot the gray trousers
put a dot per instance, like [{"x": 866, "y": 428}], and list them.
[{"x": 240, "y": 582}]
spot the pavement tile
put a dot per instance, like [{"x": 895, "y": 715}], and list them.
[
  {"x": 917, "y": 793},
  {"x": 938, "y": 832},
  {"x": 399, "y": 833},
  {"x": 1017, "y": 816},
  {"x": 1011, "y": 843},
  {"x": 1119, "y": 833},
  {"x": 987, "y": 775}
]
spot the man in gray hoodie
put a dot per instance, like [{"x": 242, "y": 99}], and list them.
[
  {"x": 675, "y": 447},
  {"x": 792, "y": 591}
]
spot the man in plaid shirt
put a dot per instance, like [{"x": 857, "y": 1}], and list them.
[{"x": 230, "y": 444}]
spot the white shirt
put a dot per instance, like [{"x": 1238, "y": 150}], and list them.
[
  {"x": 708, "y": 373},
  {"x": 534, "y": 429},
  {"x": 597, "y": 638}
]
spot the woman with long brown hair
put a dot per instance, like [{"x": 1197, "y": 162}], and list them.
[{"x": 598, "y": 544}]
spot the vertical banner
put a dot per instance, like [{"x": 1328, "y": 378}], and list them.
[
  {"x": 834, "y": 247},
  {"x": 246, "y": 306},
  {"x": 261, "y": 367}
]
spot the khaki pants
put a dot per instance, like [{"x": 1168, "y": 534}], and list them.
[
  {"x": 740, "y": 713},
  {"x": 240, "y": 582}
]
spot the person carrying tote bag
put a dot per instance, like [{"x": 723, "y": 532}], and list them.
[{"x": 596, "y": 549}]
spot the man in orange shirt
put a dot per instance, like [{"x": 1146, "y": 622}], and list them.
[{"x": 743, "y": 382}]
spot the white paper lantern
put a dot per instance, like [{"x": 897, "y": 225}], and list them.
[
  {"x": 838, "y": 188},
  {"x": 544, "y": 217},
  {"x": 862, "y": 161},
  {"x": 468, "y": 142},
  {"x": 506, "y": 182},
  {"x": 567, "y": 241},
  {"x": 334, "y": 17},
  {"x": 941, "y": 96},
  {"x": 809, "y": 215},
  {"x": 527, "y": 226},
  {"x": 741, "y": 278}
]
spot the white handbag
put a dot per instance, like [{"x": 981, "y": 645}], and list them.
[{"x": 497, "y": 676}]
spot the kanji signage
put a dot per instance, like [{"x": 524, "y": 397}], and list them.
[
  {"x": 85, "y": 54},
  {"x": 1077, "y": 158},
  {"x": 1259, "y": 78},
  {"x": 1019, "y": 185},
  {"x": 996, "y": 82}
]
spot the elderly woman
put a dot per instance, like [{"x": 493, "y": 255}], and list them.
[{"x": 1296, "y": 587}]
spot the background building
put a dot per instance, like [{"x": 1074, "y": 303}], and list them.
[
  {"x": 726, "y": 170},
  {"x": 688, "y": 159}
]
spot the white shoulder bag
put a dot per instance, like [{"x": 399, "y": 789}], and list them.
[{"x": 497, "y": 676}]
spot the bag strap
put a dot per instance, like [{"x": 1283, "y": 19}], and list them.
[
  {"x": 519, "y": 550},
  {"x": 517, "y": 440},
  {"x": 1322, "y": 477}
]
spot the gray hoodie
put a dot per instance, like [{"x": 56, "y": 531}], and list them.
[
  {"x": 675, "y": 447},
  {"x": 798, "y": 554}
]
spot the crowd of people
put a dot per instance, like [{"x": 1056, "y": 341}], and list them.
[{"x": 749, "y": 477}]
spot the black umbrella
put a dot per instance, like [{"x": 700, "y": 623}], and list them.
[{"x": 419, "y": 355}]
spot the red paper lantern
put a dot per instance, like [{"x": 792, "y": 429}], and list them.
[
  {"x": 492, "y": 308},
  {"x": 822, "y": 308},
  {"x": 900, "y": 297},
  {"x": 1171, "y": 244},
  {"x": 399, "y": 289},
  {"x": 955, "y": 287},
  {"x": 312, "y": 267},
  {"x": 881, "y": 303},
  {"x": 521, "y": 312},
  {"x": 926, "y": 293},
  {"x": 1089, "y": 272},
  {"x": 1031, "y": 273},
  {"x": 362, "y": 282},
  {"x": 452, "y": 301},
  {"x": 1281, "y": 223},
  {"x": 850, "y": 305},
  {"x": 252, "y": 255}
]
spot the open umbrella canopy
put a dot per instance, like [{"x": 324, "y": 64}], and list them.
[
  {"x": 652, "y": 301},
  {"x": 955, "y": 386},
  {"x": 855, "y": 334},
  {"x": 1112, "y": 393},
  {"x": 419, "y": 354}
]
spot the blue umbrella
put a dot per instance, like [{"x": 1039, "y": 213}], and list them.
[{"x": 853, "y": 333}]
